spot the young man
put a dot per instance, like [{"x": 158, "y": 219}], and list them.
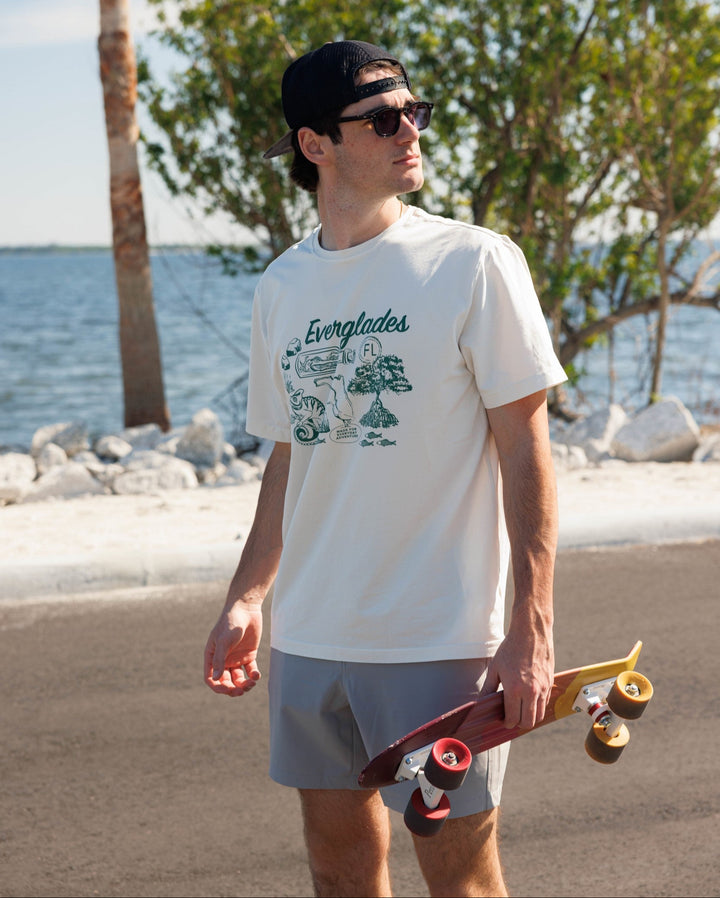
[{"x": 400, "y": 362}]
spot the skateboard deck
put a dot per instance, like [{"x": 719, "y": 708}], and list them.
[{"x": 479, "y": 724}]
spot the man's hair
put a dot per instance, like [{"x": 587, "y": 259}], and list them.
[{"x": 304, "y": 172}]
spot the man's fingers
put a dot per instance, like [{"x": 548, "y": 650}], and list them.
[
  {"x": 513, "y": 708},
  {"x": 492, "y": 682}
]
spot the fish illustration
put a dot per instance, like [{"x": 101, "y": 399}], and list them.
[{"x": 387, "y": 443}]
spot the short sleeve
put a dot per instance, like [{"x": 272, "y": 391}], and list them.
[
  {"x": 267, "y": 410},
  {"x": 504, "y": 339}
]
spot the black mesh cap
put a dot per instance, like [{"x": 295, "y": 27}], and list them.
[{"x": 323, "y": 81}]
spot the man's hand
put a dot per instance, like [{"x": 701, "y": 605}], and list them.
[
  {"x": 231, "y": 651},
  {"x": 525, "y": 666}
]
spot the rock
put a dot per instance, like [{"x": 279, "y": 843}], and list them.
[
  {"x": 17, "y": 472},
  {"x": 149, "y": 471},
  {"x": 96, "y": 466},
  {"x": 238, "y": 471},
  {"x": 203, "y": 442},
  {"x": 112, "y": 448},
  {"x": 595, "y": 433},
  {"x": 145, "y": 436},
  {"x": 64, "y": 482},
  {"x": 568, "y": 457},
  {"x": 229, "y": 454},
  {"x": 50, "y": 456},
  {"x": 70, "y": 436},
  {"x": 708, "y": 448},
  {"x": 664, "y": 432}
]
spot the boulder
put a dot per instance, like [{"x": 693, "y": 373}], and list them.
[
  {"x": 145, "y": 436},
  {"x": 238, "y": 471},
  {"x": 17, "y": 472},
  {"x": 112, "y": 448},
  {"x": 568, "y": 458},
  {"x": 708, "y": 449},
  {"x": 64, "y": 482},
  {"x": 202, "y": 443},
  {"x": 148, "y": 471},
  {"x": 50, "y": 456},
  {"x": 595, "y": 433},
  {"x": 663, "y": 432},
  {"x": 70, "y": 436}
]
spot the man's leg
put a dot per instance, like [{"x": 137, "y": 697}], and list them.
[
  {"x": 463, "y": 858},
  {"x": 347, "y": 834}
]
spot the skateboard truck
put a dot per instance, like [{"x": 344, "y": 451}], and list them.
[
  {"x": 593, "y": 700},
  {"x": 413, "y": 763}
]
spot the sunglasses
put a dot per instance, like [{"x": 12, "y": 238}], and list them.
[{"x": 386, "y": 120}]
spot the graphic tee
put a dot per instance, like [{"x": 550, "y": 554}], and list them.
[{"x": 377, "y": 363}]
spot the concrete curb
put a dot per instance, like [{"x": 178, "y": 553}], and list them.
[
  {"x": 104, "y": 571},
  {"x": 579, "y": 531},
  {"x": 147, "y": 567}
]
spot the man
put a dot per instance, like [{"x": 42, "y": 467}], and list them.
[{"x": 400, "y": 363}]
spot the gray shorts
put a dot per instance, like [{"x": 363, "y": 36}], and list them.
[{"x": 328, "y": 718}]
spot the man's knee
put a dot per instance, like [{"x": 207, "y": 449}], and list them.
[
  {"x": 463, "y": 858},
  {"x": 347, "y": 835}
]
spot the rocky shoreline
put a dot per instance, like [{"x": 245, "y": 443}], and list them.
[{"x": 63, "y": 462}]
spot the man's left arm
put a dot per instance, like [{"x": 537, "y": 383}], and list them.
[{"x": 525, "y": 660}]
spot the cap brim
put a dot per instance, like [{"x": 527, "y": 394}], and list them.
[{"x": 284, "y": 145}]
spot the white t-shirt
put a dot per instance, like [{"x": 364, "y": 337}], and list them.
[{"x": 377, "y": 364}]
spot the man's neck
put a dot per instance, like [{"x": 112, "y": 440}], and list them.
[{"x": 343, "y": 226}]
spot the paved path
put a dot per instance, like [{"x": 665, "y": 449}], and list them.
[{"x": 121, "y": 774}]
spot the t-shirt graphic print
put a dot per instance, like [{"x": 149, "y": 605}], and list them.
[{"x": 330, "y": 383}]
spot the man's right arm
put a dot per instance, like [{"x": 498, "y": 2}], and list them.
[{"x": 231, "y": 651}]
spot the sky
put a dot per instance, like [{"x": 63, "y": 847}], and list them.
[{"x": 54, "y": 170}]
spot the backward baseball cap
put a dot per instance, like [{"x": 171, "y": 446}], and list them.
[{"x": 323, "y": 81}]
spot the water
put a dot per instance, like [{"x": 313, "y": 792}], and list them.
[{"x": 59, "y": 354}]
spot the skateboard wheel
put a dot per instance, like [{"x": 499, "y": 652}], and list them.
[
  {"x": 422, "y": 820},
  {"x": 629, "y": 694},
  {"x": 603, "y": 748},
  {"x": 447, "y": 764}
]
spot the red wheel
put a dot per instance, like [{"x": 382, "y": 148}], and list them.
[
  {"x": 422, "y": 820},
  {"x": 447, "y": 764}
]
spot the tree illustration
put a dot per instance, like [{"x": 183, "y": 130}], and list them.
[{"x": 386, "y": 372}]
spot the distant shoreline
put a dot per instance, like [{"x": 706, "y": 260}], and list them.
[{"x": 60, "y": 249}]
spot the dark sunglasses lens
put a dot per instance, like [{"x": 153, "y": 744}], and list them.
[
  {"x": 419, "y": 115},
  {"x": 387, "y": 122}
]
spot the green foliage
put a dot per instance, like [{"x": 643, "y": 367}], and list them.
[
  {"x": 582, "y": 129},
  {"x": 221, "y": 109},
  {"x": 386, "y": 372}
]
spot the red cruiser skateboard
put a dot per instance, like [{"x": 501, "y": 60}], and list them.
[{"x": 439, "y": 753}]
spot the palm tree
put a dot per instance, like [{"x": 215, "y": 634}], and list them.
[{"x": 139, "y": 345}]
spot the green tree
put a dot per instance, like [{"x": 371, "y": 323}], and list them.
[
  {"x": 664, "y": 88},
  {"x": 221, "y": 110},
  {"x": 385, "y": 372},
  {"x": 532, "y": 133}
]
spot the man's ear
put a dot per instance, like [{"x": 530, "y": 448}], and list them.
[{"x": 315, "y": 147}]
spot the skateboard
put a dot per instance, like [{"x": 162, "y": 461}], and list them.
[{"x": 439, "y": 753}]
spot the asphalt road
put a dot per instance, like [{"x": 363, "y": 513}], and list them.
[{"x": 121, "y": 774}]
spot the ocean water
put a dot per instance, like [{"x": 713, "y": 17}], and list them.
[
  {"x": 59, "y": 351},
  {"x": 60, "y": 361}
]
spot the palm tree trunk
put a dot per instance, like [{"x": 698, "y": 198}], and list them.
[{"x": 139, "y": 344}]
